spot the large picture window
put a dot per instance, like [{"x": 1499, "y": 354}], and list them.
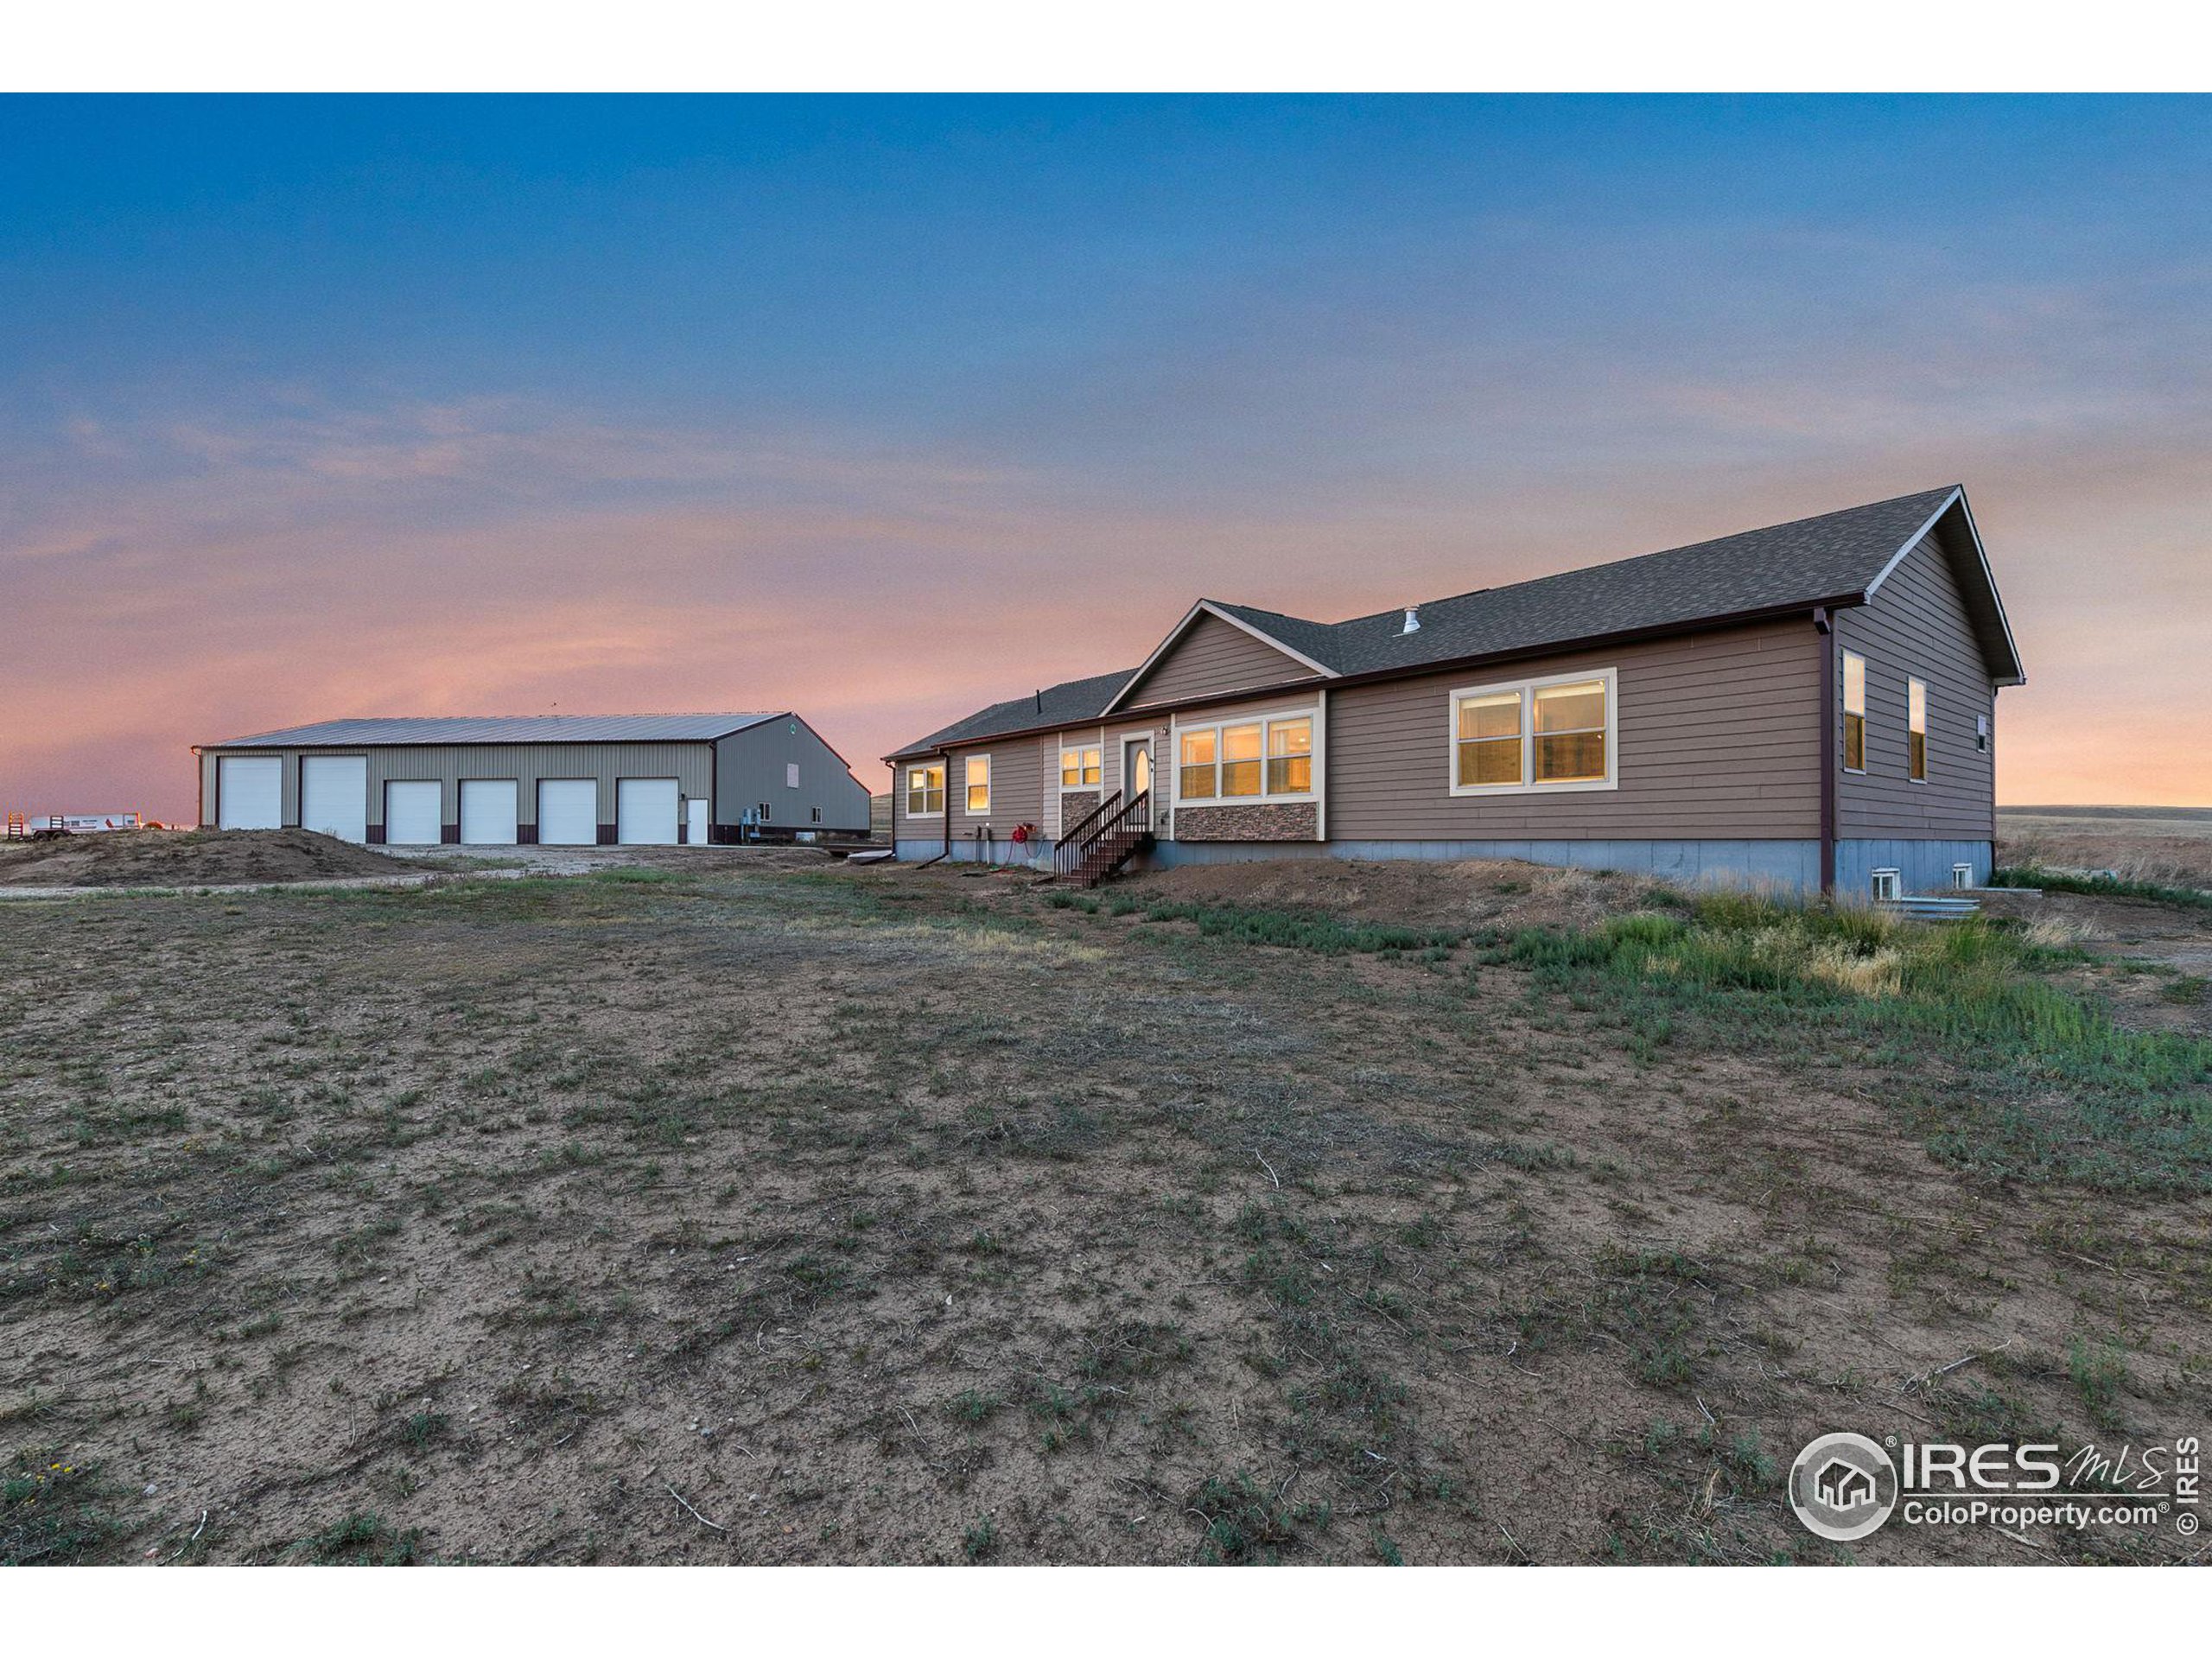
[
  {"x": 924, "y": 791},
  {"x": 1915, "y": 723},
  {"x": 1489, "y": 739},
  {"x": 1854, "y": 712},
  {"x": 979, "y": 784},
  {"x": 1264, "y": 760},
  {"x": 1555, "y": 733},
  {"x": 1240, "y": 759},
  {"x": 1198, "y": 779},
  {"x": 1290, "y": 757},
  {"x": 1081, "y": 767}
]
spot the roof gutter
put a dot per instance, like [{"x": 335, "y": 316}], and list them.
[
  {"x": 1792, "y": 611},
  {"x": 1823, "y": 629}
]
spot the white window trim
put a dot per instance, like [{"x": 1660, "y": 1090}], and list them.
[
  {"x": 1527, "y": 688},
  {"x": 1176, "y": 729},
  {"x": 966, "y": 809},
  {"x": 923, "y": 766},
  {"x": 1059, "y": 750}
]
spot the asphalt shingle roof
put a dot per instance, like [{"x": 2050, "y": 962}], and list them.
[
  {"x": 1832, "y": 557},
  {"x": 500, "y": 729}
]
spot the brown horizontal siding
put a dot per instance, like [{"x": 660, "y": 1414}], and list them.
[
  {"x": 1916, "y": 626},
  {"x": 1017, "y": 787},
  {"x": 1718, "y": 737},
  {"x": 1212, "y": 658}
]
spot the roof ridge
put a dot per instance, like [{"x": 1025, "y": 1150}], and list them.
[{"x": 1655, "y": 553}]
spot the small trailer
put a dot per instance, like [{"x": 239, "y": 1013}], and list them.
[{"x": 21, "y": 827}]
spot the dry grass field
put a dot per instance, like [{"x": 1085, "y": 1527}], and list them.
[
  {"x": 781, "y": 1213},
  {"x": 2165, "y": 844}
]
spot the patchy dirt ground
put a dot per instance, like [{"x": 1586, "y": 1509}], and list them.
[
  {"x": 835, "y": 1215},
  {"x": 582, "y": 860},
  {"x": 2154, "y": 960},
  {"x": 187, "y": 858}
]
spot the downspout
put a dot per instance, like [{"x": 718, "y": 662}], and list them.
[
  {"x": 1824, "y": 628},
  {"x": 944, "y": 755}
]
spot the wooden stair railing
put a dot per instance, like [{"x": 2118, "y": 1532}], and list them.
[
  {"x": 1111, "y": 845},
  {"x": 1078, "y": 836}
]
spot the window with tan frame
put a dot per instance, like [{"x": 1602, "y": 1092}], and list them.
[
  {"x": 978, "y": 777},
  {"x": 1854, "y": 712},
  {"x": 1081, "y": 766},
  {"x": 1916, "y": 729},
  {"x": 1557, "y": 733},
  {"x": 925, "y": 791}
]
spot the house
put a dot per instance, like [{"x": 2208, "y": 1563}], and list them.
[
  {"x": 537, "y": 779},
  {"x": 1843, "y": 1485},
  {"x": 1809, "y": 706}
]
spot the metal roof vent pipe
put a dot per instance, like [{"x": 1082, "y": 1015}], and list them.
[{"x": 1413, "y": 620}]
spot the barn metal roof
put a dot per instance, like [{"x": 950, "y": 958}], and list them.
[{"x": 500, "y": 729}]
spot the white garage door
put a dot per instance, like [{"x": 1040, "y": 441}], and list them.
[
  {"x": 248, "y": 791},
  {"x": 334, "y": 794},
  {"x": 488, "y": 811},
  {"x": 645, "y": 811},
  {"x": 411, "y": 814},
  {"x": 567, "y": 812}
]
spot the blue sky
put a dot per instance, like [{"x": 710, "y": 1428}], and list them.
[{"x": 312, "y": 407}]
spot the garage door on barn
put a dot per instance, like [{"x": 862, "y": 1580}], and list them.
[
  {"x": 567, "y": 812},
  {"x": 488, "y": 811},
  {"x": 250, "y": 792},
  {"x": 334, "y": 794},
  {"x": 645, "y": 811},
  {"x": 413, "y": 813}
]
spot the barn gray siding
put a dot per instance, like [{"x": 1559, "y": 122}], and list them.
[
  {"x": 1719, "y": 738},
  {"x": 689, "y": 764},
  {"x": 1213, "y": 659},
  {"x": 752, "y": 768},
  {"x": 1916, "y": 626}
]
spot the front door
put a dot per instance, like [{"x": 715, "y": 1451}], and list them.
[{"x": 1136, "y": 766}]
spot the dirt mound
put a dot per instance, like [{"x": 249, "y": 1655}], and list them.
[
  {"x": 1475, "y": 893},
  {"x": 188, "y": 858}
]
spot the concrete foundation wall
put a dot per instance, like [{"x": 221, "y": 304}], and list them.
[
  {"x": 1923, "y": 866},
  {"x": 1789, "y": 865}
]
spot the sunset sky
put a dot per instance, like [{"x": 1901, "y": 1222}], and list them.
[{"x": 882, "y": 410}]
